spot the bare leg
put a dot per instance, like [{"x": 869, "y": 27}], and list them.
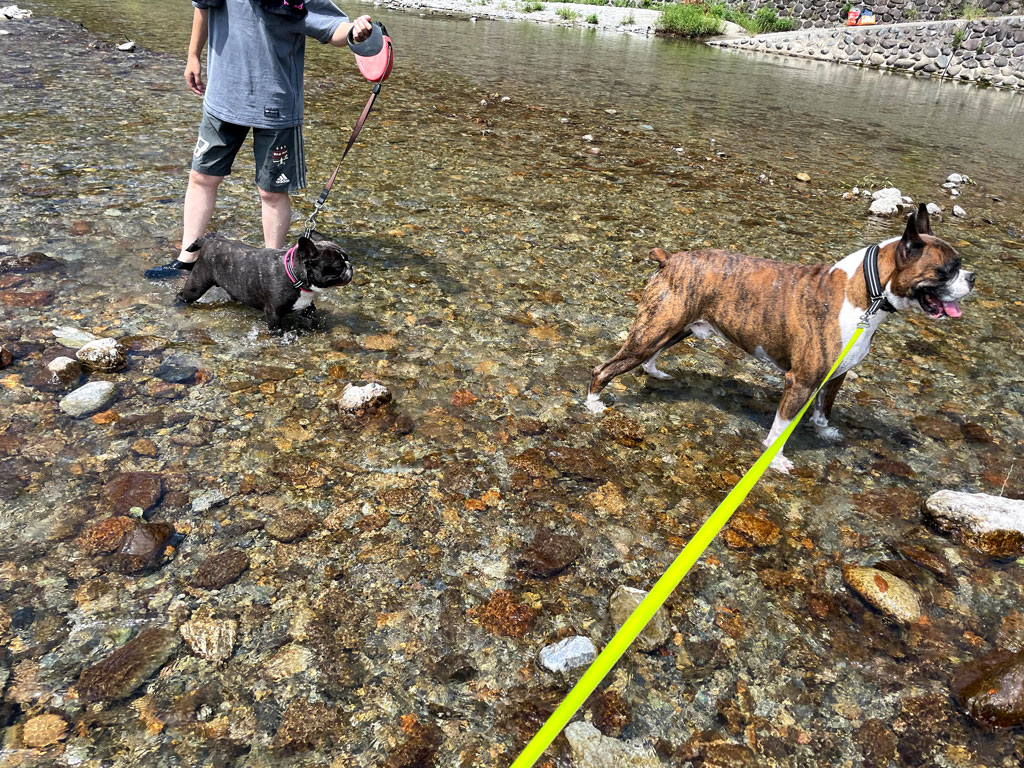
[
  {"x": 200, "y": 200},
  {"x": 277, "y": 218}
]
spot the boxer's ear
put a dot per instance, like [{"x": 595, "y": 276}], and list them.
[
  {"x": 910, "y": 245},
  {"x": 306, "y": 248},
  {"x": 924, "y": 221}
]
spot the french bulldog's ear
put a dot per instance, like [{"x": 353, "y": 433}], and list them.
[
  {"x": 306, "y": 247},
  {"x": 910, "y": 245}
]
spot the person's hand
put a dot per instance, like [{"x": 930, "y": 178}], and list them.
[
  {"x": 194, "y": 76},
  {"x": 361, "y": 28}
]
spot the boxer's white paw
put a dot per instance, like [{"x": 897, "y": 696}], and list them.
[
  {"x": 781, "y": 464},
  {"x": 594, "y": 404},
  {"x": 831, "y": 434},
  {"x": 655, "y": 373}
]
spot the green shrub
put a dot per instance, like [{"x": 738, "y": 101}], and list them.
[
  {"x": 910, "y": 13},
  {"x": 688, "y": 21},
  {"x": 531, "y": 7},
  {"x": 766, "y": 19},
  {"x": 972, "y": 12},
  {"x": 958, "y": 38},
  {"x": 626, "y": 21},
  {"x": 592, "y": 18},
  {"x": 567, "y": 14}
]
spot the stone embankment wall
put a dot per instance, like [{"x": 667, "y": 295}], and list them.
[
  {"x": 819, "y": 13},
  {"x": 985, "y": 51}
]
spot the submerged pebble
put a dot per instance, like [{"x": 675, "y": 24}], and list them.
[
  {"x": 621, "y": 605},
  {"x": 590, "y": 749},
  {"x": 991, "y": 689},
  {"x": 120, "y": 673},
  {"x": 105, "y": 355},
  {"x": 89, "y": 398},
  {"x": 567, "y": 655},
  {"x": 889, "y": 594},
  {"x": 44, "y": 731},
  {"x": 219, "y": 570},
  {"x": 213, "y": 639}
]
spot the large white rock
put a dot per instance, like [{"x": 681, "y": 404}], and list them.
[
  {"x": 992, "y": 525},
  {"x": 591, "y": 749},
  {"x": 213, "y": 639},
  {"x": 889, "y": 202},
  {"x": 90, "y": 398},
  {"x": 369, "y": 396},
  {"x": 69, "y": 336},
  {"x": 103, "y": 355},
  {"x": 569, "y": 654},
  {"x": 14, "y": 12}
]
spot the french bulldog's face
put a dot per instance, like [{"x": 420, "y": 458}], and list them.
[
  {"x": 929, "y": 274},
  {"x": 326, "y": 264}
]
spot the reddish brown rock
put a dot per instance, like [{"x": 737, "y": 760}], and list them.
[
  {"x": 26, "y": 299},
  {"x": 758, "y": 530},
  {"x": 991, "y": 689},
  {"x": 610, "y": 712},
  {"x": 463, "y": 398},
  {"x": 105, "y": 537},
  {"x": 623, "y": 429},
  {"x": 504, "y": 614},
  {"x": 120, "y": 673},
  {"x": 143, "y": 546},
  {"x": 133, "y": 489},
  {"x": 548, "y": 554},
  {"x": 290, "y": 525},
  {"x": 6, "y": 356},
  {"x": 219, "y": 570},
  {"x": 44, "y": 731}
]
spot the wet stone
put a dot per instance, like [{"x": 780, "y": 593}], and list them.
[
  {"x": 89, "y": 398},
  {"x": 44, "y": 731},
  {"x": 505, "y": 615},
  {"x": 58, "y": 375},
  {"x": 219, "y": 570},
  {"x": 133, "y": 489},
  {"x": 106, "y": 355},
  {"x": 610, "y": 712},
  {"x": 6, "y": 356},
  {"x": 581, "y": 463},
  {"x": 877, "y": 743},
  {"x": 991, "y": 689},
  {"x": 28, "y": 263},
  {"x": 549, "y": 554},
  {"x": 212, "y": 639},
  {"x": 991, "y": 525},
  {"x": 930, "y": 561},
  {"x": 307, "y": 725},
  {"x": 290, "y": 525},
  {"x": 454, "y": 667},
  {"x": 568, "y": 654},
  {"x": 889, "y": 594},
  {"x": 120, "y": 673},
  {"x": 143, "y": 547},
  {"x": 623, "y": 602},
  {"x": 208, "y": 501},
  {"x": 73, "y": 338},
  {"x": 360, "y": 400},
  {"x": 975, "y": 432},
  {"x": 105, "y": 537},
  {"x": 623, "y": 430},
  {"x": 592, "y": 750},
  {"x": 420, "y": 750},
  {"x": 176, "y": 371},
  {"x": 754, "y": 529}
]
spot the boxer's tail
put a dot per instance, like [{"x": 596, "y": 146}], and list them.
[{"x": 658, "y": 255}]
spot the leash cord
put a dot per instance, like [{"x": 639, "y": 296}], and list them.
[{"x": 664, "y": 587}]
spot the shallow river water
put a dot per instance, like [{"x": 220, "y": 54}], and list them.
[{"x": 392, "y": 607}]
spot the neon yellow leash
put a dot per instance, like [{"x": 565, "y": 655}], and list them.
[{"x": 660, "y": 592}]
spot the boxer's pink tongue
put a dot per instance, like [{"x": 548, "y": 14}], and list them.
[{"x": 951, "y": 308}]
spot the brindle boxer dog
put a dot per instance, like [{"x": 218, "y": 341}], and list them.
[{"x": 796, "y": 317}]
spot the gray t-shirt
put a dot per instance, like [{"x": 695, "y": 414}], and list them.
[{"x": 255, "y": 61}]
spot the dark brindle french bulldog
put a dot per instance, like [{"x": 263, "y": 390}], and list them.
[
  {"x": 276, "y": 281},
  {"x": 796, "y": 317}
]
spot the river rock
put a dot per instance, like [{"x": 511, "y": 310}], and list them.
[
  {"x": 889, "y": 594},
  {"x": 89, "y": 398},
  {"x": 549, "y": 554},
  {"x": 105, "y": 355},
  {"x": 959, "y": 212},
  {"x": 219, "y": 570},
  {"x": 59, "y": 374},
  {"x": 143, "y": 546},
  {"x": 30, "y": 262},
  {"x": 991, "y": 525},
  {"x": 358, "y": 400},
  {"x": 590, "y": 749},
  {"x": 934, "y": 209},
  {"x": 44, "y": 731},
  {"x": 569, "y": 654},
  {"x": 623, "y": 602},
  {"x": 208, "y": 501},
  {"x": 105, "y": 537},
  {"x": 6, "y": 356},
  {"x": 74, "y": 338},
  {"x": 212, "y": 639},
  {"x": 133, "y": 489},
  {"x": 958, "y": 178},
  {"x": 291, "y": 524},
  {"x": 991, "y": 689},
  {"x": 888, "y": 202},
  {"x": 120, "y": 673}
]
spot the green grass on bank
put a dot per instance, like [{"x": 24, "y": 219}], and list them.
[{"x": 704, "y": 19}]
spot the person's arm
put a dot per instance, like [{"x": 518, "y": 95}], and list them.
[
  {"x": 193, "y": 65},
  {"x": 360, "y": 31}
]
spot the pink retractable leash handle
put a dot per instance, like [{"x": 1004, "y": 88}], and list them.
[{"x": 374, "y": 56}]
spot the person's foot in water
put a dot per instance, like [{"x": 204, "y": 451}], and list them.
[{"x": 172, "y": 269}]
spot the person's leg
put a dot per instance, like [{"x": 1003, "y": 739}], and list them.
[
  {"x": 277, "y": 217},
  {"x": 200, "y": 200},
  {"x": 215, "y": 151},
  {"x": 280, "y": 169}
]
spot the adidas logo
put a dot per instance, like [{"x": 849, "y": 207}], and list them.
[{"x": 282, "y": 179}]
